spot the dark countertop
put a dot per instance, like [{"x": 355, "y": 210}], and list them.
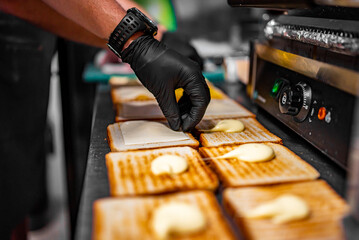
[{"x": 96, "y": 183}]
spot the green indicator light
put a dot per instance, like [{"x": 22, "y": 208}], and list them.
[{"x": 275, "y": 88}]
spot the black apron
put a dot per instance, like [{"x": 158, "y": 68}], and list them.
[{"x": 25, "y": 58}]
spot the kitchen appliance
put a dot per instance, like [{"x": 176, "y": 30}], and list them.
[
  {"x": 314, "y": 98},
  {"x": 306, "y": 74}
]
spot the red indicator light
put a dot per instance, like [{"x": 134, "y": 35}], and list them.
[{"x": 321, "y": 113}]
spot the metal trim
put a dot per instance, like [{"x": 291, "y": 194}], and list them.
[
  {"x": 269, "y": 4},
  {"x": 252, "y": 71},
  {"x": 338, "y": 77},
  {"x": 342, "y": 3},
  {"x": 342, "y": 41}
]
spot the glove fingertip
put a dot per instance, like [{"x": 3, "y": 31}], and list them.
[
  {"x": 187, "y": 123},
  {"x": 175, "y": 124}
]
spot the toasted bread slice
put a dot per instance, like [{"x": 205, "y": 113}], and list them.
[
  {"x": 285, "y": 167},
  {"x": 226, "y": 108},
  {"x": 117, "y": 143},
  {"x": 117, "y": 81},
  {"x": 122, "y": 89},
  {"x": 130, "y": 93},
  {"x": 326, "y": 210},
  {"x": 129, "y": 107},
  {"x": 149, "y": 109},
  {"x": 130, "y": 173},
  {"x": 129, "y": 218},
  {"x": 254, "y": 132},
  {"x": 215, "y": 93}
]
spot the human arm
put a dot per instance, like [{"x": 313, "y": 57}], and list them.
[
  {"x": 160, "y": 69},
  {"x": 41, "y": 15},
  {"x": 147, "y": 57},
  {"x": 98, "y": 16}
]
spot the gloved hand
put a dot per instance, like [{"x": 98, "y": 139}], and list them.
[
  {"x": 162, "y": 70},
  {"x": 181, "y": 44}
]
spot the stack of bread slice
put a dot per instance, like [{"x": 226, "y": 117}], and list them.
[{"x": 137, "y": 192}]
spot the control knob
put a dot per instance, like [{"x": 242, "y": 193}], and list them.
[{"x": 296, "y": 101}]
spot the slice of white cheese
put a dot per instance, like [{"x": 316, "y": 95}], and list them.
[
  {"x": 251, "y": 152},
  {"x": 177, "y": 218},
  {"x": 169, "y": 164},
  {"x": 144, "y": 132},
  {"x": 222, "y": 107},
  {"x": 133, "y": 92},
  {"x": 141, "y": 110},
  {"x": 283, "y": 209},
  {"x": 228, "y": 125}
]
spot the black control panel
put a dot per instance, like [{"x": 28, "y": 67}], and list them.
[
  {"x": 294, "y": 100},
  {"x": 315, "y": 110}
]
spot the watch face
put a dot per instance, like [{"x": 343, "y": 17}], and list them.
[{"x": 151, "y": 24}]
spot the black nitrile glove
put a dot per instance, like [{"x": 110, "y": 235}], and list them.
[
  {"x": 162, "y": 70},
  {"x": 181, "y": 44}
]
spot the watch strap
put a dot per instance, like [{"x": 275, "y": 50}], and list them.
[{"x": 129, "y": 25}]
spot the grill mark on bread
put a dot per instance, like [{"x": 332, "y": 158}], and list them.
[
  {"x": 143, "y": 181},
  {"x": 327, "y": 209},
  {"x": 254, "y": 132},
  {"x": 135, "y": 213},
  {"x": 129, "y": 181},
  {"x": 285, "y": 167},
  {"x": 208, "y": 172}
]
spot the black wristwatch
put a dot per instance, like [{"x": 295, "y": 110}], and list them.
[{"x": 134, "y": 21}]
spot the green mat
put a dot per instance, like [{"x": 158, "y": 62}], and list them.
[{"x": 93, "y": 74}]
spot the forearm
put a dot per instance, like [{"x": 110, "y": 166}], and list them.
[
  {"x": 40, "y": 14},
  {"x": 98, "y": 16}
]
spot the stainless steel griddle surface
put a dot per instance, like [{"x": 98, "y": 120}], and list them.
[{"x": 96, "y": 183}]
